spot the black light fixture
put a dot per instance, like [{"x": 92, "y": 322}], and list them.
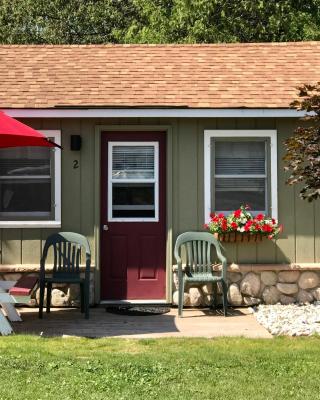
[{"x": 75, "y": 142}]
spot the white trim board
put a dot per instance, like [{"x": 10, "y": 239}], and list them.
[
  {"x": 154, "y": 113},
  {"x": 270, "y": 133},
  {"x": 155, "y": 181}
]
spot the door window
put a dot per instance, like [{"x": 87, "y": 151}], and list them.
[{"x": 133, "y": 181}]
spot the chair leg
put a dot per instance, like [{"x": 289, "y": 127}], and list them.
[
  {"x": 82, "y": 297},
  {"x": 49, "y": 290},
  {"x": 41, "y": 298},
  {"x": 225, "y": 298},
  {"x": 181, "y": 296}
]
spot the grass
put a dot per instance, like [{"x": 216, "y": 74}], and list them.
[{"x": 239, "y": 369}]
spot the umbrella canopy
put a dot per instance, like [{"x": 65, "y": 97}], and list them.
[{"x": 15, "y": 134}]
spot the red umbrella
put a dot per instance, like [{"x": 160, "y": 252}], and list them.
[{"x": 15, "y": 134}]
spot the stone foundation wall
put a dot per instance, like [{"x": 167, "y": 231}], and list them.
[
  {"x": 63, "y": 295},
  {"x": 252, "y": 285}
]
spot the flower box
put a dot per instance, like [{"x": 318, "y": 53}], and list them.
[
  {"x": 241, "y": 226},
  {"x": 244, "y": 237}
]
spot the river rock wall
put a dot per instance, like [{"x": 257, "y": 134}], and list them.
[{"x": 253, "y": 286}]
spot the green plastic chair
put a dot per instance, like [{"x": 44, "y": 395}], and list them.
[
  {"x": 198, "y": 246},
  {"x": 66, "y": 267}
]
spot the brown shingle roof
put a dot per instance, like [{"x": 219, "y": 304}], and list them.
[{"x": 210, "y": 76}]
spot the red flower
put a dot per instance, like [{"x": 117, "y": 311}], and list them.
[
  {"x": 234, "y": 225},
  {"x": 259, "y": 217},
  {"x": 266, "y": 228},
  {"x": 237, "y": 213},
  {"x": 221, "y": 215},
  {"x": 212, "y": 215},
  {"x": 206, "y": 226}
]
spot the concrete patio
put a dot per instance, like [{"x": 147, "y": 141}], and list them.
[{"x": 195, "y": 323}]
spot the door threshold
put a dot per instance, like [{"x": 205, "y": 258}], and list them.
[{"x": 147, "y": 302}]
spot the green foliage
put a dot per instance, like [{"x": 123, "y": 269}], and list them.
[
  {"x": 226, "y": 368},
  {"x": 302, "y": 157},
  {"x": 64, "y": 21},
  {"x": 158, "y": 21},
  {"x": 203, "y": 21}
]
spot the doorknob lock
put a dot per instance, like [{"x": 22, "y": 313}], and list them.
[{"x": 105, "y": 227}]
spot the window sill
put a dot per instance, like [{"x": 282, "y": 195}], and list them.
[{"x": 30, "y": 224}]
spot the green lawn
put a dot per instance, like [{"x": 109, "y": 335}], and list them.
[{"x": 239, "y": 369}]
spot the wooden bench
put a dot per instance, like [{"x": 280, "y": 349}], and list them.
[{"x": 14, "y": 292}]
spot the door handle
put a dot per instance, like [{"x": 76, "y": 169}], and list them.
[{"x": 105, "y": 227}]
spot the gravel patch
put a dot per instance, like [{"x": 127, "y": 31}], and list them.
[{"x": 290, "y": 320}]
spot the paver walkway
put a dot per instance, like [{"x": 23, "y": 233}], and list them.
[{"x": 195, "y": 323}]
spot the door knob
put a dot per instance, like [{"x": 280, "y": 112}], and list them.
[{"x": 105, "y": 227}]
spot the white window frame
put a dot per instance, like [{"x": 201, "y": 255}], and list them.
[
  {"x": 56, "y": 221},
  {"x": 155, "y": 180},
  {"x": 269, "y": 134}
]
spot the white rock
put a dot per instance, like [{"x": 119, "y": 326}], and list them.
[
  {"x": 288, "y": 276},
  {"x": 251, "y": 301},
  {"x": 234, "y": 277},
  {"x": 234, "y": 295},
  {"x": 175, "y": 298},
  {"x": 308, "y": 280},
  {"x": 316, "y": 294},
  {"x": 286, "y": 299},
  {"x": 269, "y": 278},
  {"x": 207, "y": 300},
  {"x": 59, "y": 298},
  {"x": 271, "y": 295},
  {"x": 287, "y": 288},
  {"x": 304, "y": 297},
  {"x": 38, "y": 296},
  {"x": 291, "y": 320},
  {"x": 175, "y": 281},
  {"x": 207, "y": 289},
  {"x": 250, "y": 285},
  {"x": 195, "y": 296}
]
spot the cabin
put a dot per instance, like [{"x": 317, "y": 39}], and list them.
[{"x": 155, "y": 138}]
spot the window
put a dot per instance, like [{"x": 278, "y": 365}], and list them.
[
  {"x": 240, "y": 168},
  {"x": 30, "y": 185},
  {"x": 133, "y": 181}
]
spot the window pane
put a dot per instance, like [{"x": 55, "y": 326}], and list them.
[
  {"x": 133, "y": 200},
  {"x": 25, "y": 183},
  {"x": 20, "y": 161},
  {"x": 133, "y": 162},
  {"x": 25, "y": 196},
  {"x": 230, "y": 193},
  {"x": 239, "y": 158}
]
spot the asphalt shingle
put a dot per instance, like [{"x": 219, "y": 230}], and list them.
[{"x": 261, "y": 75}]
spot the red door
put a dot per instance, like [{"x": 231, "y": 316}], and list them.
[{"x": 133, "y": 216}]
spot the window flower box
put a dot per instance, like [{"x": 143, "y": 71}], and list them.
[
  {"x": 244, "y": 237},
  {"x": 242, "y": 226}
]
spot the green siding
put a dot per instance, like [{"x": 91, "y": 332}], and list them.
[{"x": 300, "y": 241}]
